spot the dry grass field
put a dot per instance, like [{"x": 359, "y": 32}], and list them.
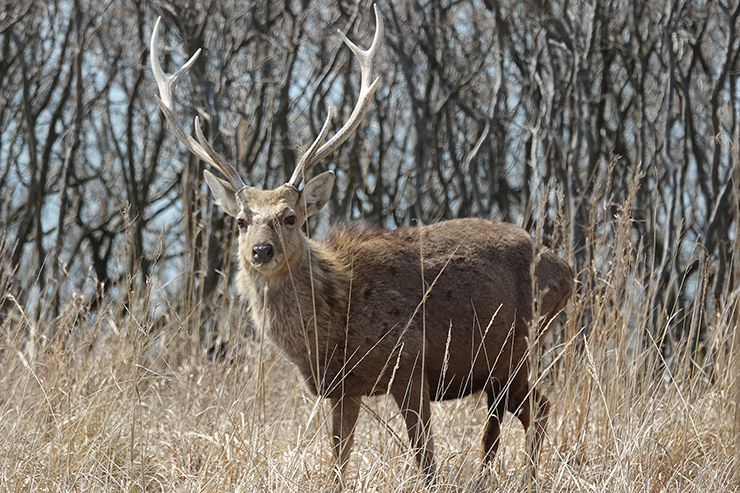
[{"x": 114, "y": 400}]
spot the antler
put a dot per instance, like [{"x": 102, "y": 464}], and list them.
[
  {"x": 167, "y": 83},
  {"x": 317, "y": 152}
]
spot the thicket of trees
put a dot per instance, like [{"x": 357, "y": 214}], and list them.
[{"x": 514, "y": 110}]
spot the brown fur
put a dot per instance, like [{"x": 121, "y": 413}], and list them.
[{"x": 368, "y": 311}]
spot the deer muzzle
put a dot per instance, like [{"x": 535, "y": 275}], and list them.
[{"x": 262, "y": 253}]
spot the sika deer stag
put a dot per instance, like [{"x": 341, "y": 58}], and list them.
[{"x": 426, "y": 313}]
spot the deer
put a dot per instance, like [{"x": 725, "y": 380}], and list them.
[{"x": 423, "y": 313}]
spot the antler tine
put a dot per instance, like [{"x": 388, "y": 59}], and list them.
[
  {"x": 303, "y": 165},
  {"x": 217, "y": 161},
  {"x": 167, "y": 84},
  {"x": 368, "y": 59}
]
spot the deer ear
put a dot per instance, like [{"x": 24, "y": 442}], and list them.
[
  {"x": 316, "y": 193},
  {"x": 223, "y": 192}
]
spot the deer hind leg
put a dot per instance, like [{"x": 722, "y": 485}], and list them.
[
  {"x": 413, "y": 400},
  {"x": 345, "y": 411},
  {"x": 496, "y": 408},
  {"x": 523, "y": 404}
]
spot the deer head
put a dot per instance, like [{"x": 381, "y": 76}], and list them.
[{"x": 270, "y": 220}]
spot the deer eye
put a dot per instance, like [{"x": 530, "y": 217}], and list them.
[
  {"x": 289, "y": 220},
  {"x": 242, "y": 223}
]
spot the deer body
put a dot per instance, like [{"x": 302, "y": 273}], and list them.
[
  {"x": 367, "y": 286},
  {"x": 426, "y": 313}
]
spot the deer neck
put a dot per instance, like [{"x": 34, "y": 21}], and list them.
[{"x": 298, "y": 306}]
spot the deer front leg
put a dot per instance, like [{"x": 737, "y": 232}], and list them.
[
  {"x": 413, "y": 399},
  {"x": 345, "y": 411}
]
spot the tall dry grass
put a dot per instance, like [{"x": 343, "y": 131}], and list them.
[{"x": 115, "y": 400}]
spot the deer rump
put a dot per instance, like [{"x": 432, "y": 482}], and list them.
[{"x": 470, "y": 331}]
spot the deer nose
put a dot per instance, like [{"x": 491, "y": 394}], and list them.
[{"x": 262, "y": 253}]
